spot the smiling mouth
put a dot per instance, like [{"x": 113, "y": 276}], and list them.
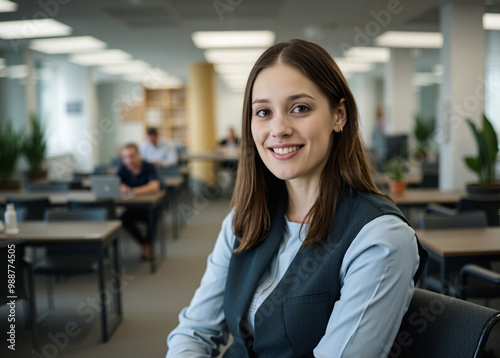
[{"x": 286, "y": 150}]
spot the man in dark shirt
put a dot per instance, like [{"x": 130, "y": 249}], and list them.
[{"x": 138, "y": 178}]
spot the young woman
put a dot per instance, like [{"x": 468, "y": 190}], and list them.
[{"x": 313, "y": 261}]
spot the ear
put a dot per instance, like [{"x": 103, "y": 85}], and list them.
[{"x": 340, "y": 116}]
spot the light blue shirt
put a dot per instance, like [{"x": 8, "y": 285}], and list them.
[
  {"x": 164, "y": 152},
  {"x": 376, "y": 288}
]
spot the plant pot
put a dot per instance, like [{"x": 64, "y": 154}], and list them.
[
  {"x": 483, "y": 189},
  {"x": 36, "y": 175},
  {"x": 397, "y": 187},
  {"x": 11, "y": 186}
]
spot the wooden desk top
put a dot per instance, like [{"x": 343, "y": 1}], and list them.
[
  {"x": 61, "y": 198},
  {"x": 59, "y": 231},
  {"x": 383, "y": 179},
  {"x": 428, "y": 196},
  {"x": 215, "y": 156},
  {"x": 461, "y": 242},
  {"x": 174, "y": 182}
]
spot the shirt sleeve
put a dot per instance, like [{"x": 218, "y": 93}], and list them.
[
  {"x": 169, "y": 155},
  {"x": 202, "y": 325},
  {"x": 377, "y": 286}
]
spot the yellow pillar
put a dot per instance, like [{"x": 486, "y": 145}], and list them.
[{"x": 201, "y": 114}]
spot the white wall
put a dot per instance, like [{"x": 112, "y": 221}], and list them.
[
  {"x": 229, "y": 111},
  {"x": 493, "y": 78}
]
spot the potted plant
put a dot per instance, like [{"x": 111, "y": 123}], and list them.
[
  {"x": 484, "y": 163},
  {"x": 395, "y": 170},
  {"x": 423, "y": 132},
  {"x": 10, "y": 146},
  {"x": 34, "y": 149}
]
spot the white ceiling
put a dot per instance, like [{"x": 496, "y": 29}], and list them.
[{"x": 158, "y": 31}]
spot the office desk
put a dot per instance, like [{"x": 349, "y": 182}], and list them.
[
  {"x": 95, "y": 235},
  {"x": 152, "y": 203},
  {"x": 214, "y": 156},
  {"x": 422, "y": 197},
  {"x": 452, "y": 248}
]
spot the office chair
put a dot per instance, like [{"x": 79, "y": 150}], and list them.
[
  {"x": 59, "y": 261},
  {"x": 35, "y": 208}
]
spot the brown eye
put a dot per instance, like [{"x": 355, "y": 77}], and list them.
[
  {"x": 263, "y": 112},
  {"x": 301, "y": 109}
]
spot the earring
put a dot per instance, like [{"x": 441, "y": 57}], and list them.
[{"x": 341, "y": 129}]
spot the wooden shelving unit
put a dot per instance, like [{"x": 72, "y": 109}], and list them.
[{"x": 166, "y": 110}]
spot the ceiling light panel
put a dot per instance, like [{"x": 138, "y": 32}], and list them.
[
  {"x": 491, "y": 21},
  {"x": 103, "y": 57},
  {"x": 24, "y": 29},
  {"x": 225, "y": 39},
  {"x": 7, "y": 6},
  {"x": 410, "y": 39},
  {"x": 368, "y": 54},
  {"x": 248, "y": 56},
  {"x": 128, "y": 67},
  {"x": 67, "y": 45}
]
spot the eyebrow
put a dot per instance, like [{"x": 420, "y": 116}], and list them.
[{"x": 290, "y": 98}]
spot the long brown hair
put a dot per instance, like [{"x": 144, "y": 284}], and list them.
[{"x": 347, "y": 166}]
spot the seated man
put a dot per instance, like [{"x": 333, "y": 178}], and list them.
[
  {"x": 161, "y": 153},
  {"x": 137, "y": 177}
]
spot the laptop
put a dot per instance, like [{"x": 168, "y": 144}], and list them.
[{"x": 106, "y": 187}]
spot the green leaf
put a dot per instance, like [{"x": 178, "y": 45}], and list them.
[
  {"x": 491, "y": 140},
  {"x": 473, "y": 164}
]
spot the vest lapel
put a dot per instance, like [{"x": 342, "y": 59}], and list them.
[{"x": 255, "y": 262}]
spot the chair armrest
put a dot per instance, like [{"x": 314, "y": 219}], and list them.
[
  {"x": 478, "y": 272},
  {"x": 440, "y": 209}
]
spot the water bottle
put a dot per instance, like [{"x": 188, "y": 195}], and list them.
[{"x": 11, "y": 220}]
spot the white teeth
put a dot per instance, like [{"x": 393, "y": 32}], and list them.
[{"x": 285, "y": 150}]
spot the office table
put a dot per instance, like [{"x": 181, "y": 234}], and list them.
[
  {"x": 452, "y": 248},
  {"x": 95, "y": 235},
  {"x": 420, "y": 197},
  {"x": 151, "y": 202},
  {"x": 214, "y": 156}
]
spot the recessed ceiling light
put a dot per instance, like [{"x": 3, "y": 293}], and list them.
[
  {"x": 368, "y": 54},
  {"x": 128, "y": 67},
  {"x": 224, "y": 39},
  {"x": 7, "y": 6},
  {"x": 149, "y": 74},
  {"x": 491, "y": 21},
  {"x": 67, "y": 45},
  {"x": 24, "y": 29},
  {"x": 103, "y": 57},
  {"x": 234, "y": 68},
  {"x": 410, "y": 39},
  {"x": 233, "y": 56}
]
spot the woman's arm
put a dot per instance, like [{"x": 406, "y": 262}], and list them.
[
  {"x": 202, "y": 325},
  {"x": 377, "y": 286}
]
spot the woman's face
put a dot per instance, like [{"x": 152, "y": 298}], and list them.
[{"x": 292, "y": 122}]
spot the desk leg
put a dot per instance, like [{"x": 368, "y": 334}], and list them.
[
  {"x": 118, "y": 288},
  {"x": 443, "y": 276},
  {"x": 102, "y": 293},
  {"x": 175, "y": 213}
]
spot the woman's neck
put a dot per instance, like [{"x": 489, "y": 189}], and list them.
[{"x": 302, "y": 194}]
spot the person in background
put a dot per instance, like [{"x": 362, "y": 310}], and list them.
[
  {"x": 379, "y": 139},
  {"x": 161, "y": 153},
  {"x": 228, "y": 144},
  {"x": 137, "y": 177}
]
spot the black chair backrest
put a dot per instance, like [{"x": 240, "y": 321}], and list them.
[
  {"x": 107, "y": 204},
  {"x": 490, "y": 206},
  {"x": 35, "y": 207},
  {"x": 440, "y": 326},
  {"x": 463, "y": 220},
  {"x": 20, "y": 212},
  {"x": 57, "y": 186},
  {"x": 76, "y": 215},
  {"x": 430, "y": 180},
  {"x": 13, "y": 247}
]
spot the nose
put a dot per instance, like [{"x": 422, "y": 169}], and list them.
[{"x": 280, "y": 127}]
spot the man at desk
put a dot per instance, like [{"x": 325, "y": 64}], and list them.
[
  {"x": 161, "y": 153},
  {"x": 138, "y": 177}
]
